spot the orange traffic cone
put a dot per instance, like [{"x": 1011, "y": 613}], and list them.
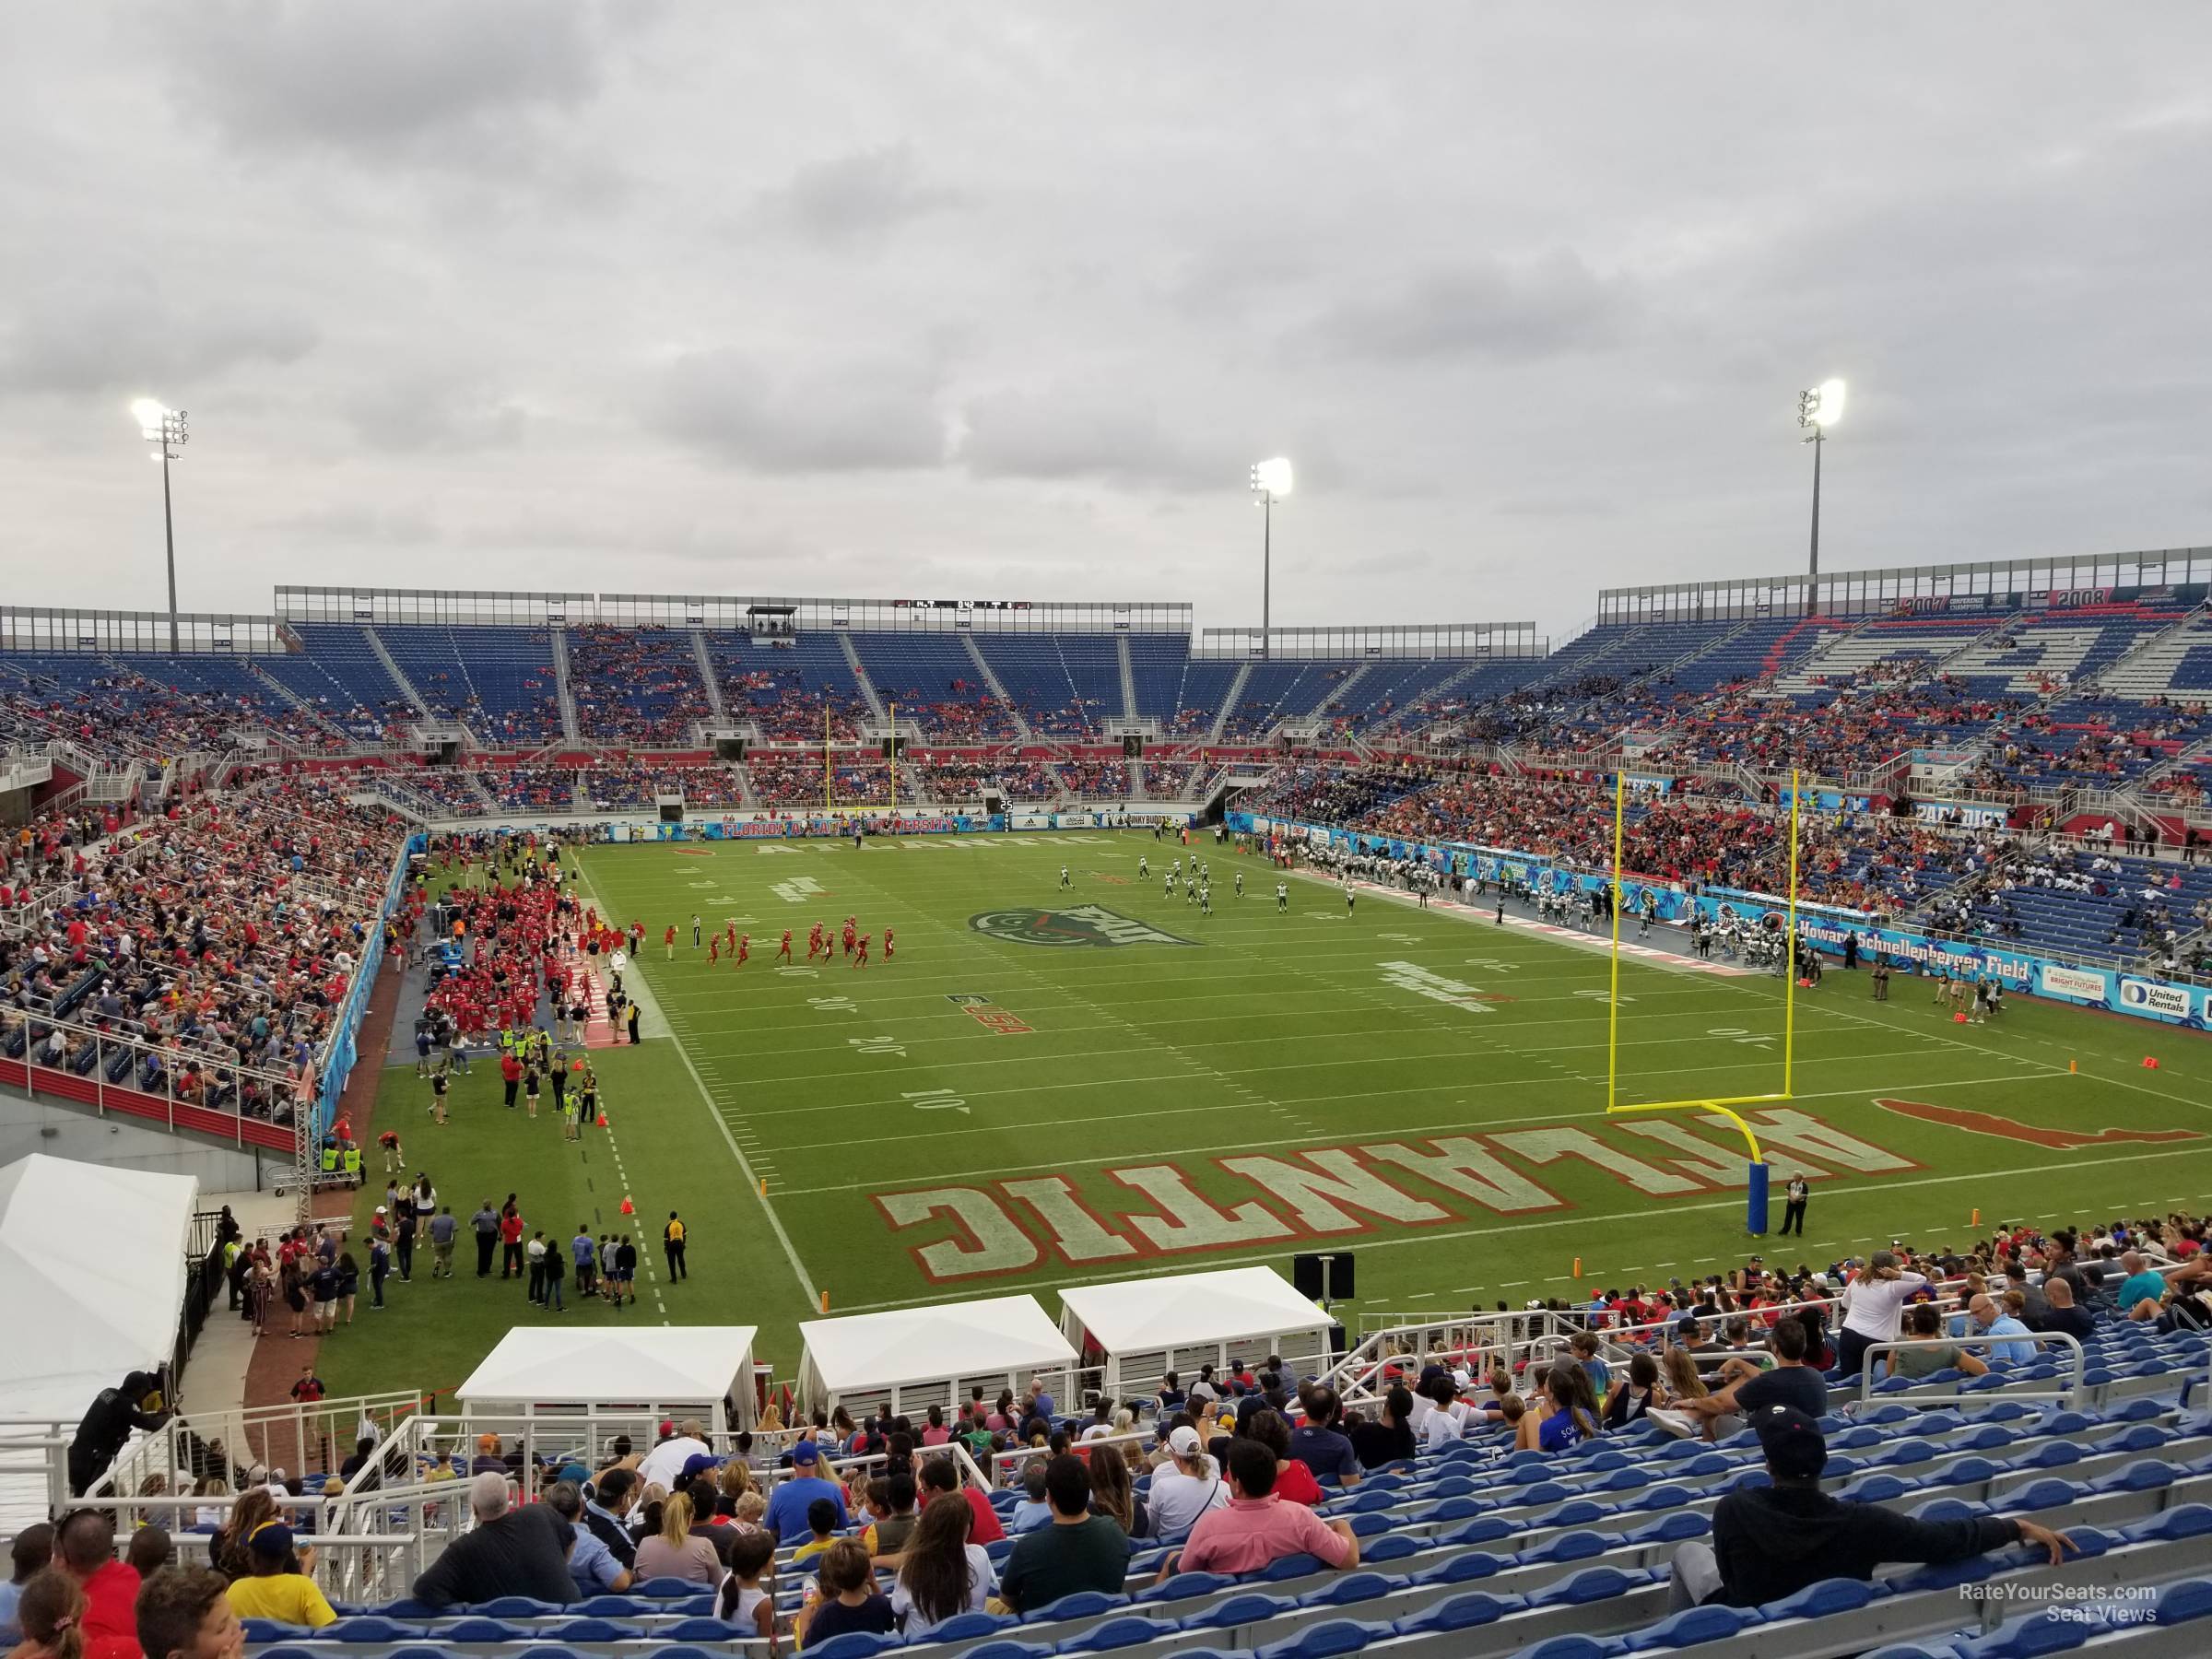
[
  {"x": 628, "y": 1208},
  {"x": 603, "y": 1120},
  {"x": 1578, "y": 1266},
  {"x": 1960, "y": 1018},
  {"x": 2073, "y": 1066},
  {"x": 2151, "y": 1062}
]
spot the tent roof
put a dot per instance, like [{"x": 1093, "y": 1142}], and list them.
[
  {"x": 930, "y": 1344},
  {"x": 654, "y": 1365},
  {"x": 1189, "y": 1308},
  {"x": 92, "y": 1260}
]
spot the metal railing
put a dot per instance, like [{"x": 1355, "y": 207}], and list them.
[
  {"x": 2074, "y": 1394},
  {"x": 148, "y": 1077}
]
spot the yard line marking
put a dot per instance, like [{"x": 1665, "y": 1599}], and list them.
[{"x": 1429, "y": 1237}]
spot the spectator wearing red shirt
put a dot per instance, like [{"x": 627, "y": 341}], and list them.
[
  {"x": 511, "y": 1240},
  {"x": 939, "y": 1475},
  {"x": 87, "y": 1547}
]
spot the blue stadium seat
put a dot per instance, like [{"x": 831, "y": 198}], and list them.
[
  {"x": 259, "y": 1631},
  {"x": 1823, "y": 1600},
  {"x": 1128, "y": 1630},
  {"x": 1004, "y": 1650},
  {"x": 1692, "y": 1625},
  {"x": 2184, "y": 1602},
  {"x": 1184, "y": 1585},
  {"x": 1351, "y": 1588},
  {"x": 1083, "y": 1603},
  {"x": 512, "y": 1607},
  {"x": 1322, "y": 1641},
  {"x": 1459, "y": 1569},
  {"x": 967, "y": 1627},
  {"x": 2183, "y": 1521},
  {"x": 1289, "y": 1566},
  {"x": 1566, "y": 1546},
  {"x": 1462, "y": 1612},
  {"x": 693, "y": 1629},
  {"x": 1576, "y": 1646},
  {"x": 1395, "y": 1548},
  {"x": 2046, "y": 1631},
  {"x": 1591, "y": 1585},
  {"x": 372, "y": 1628},
  {"x": 1670, "y": 1528},
  {"x": 471, "y": 1630},
  {"x": 1249, "y": 1608}
]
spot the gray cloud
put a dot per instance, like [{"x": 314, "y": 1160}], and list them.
[
  {"x": 273, "y": 74},
  {"x": 654, "y": 294},
  {"x": 1110, "y": 436},
  {"x": 436, "y": 411},
  {"x": 852, "y": 201},
  {"x": 852, "y": 415},
  {"x": 120, "y": 335},
  {"x": 1510, "y": 313}
]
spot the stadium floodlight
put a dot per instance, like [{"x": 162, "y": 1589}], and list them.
[
  {"x": 1818, "y": 409},
  {"x": 1270, "y": 482},
  {"x": 164, "y": 428}
]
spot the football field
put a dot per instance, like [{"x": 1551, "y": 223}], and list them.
[{"x": 1050, "y": 1085}]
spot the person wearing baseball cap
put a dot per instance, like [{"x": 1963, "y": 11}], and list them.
[
  {"x": 1183, "y": 1493},
  {"x": 786, "y": 1514},
  {"x": 1772, "y": 1541},
  {"x": 269, "y": 1591}
]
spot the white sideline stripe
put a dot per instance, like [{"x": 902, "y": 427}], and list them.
[
  {"x": 752, "y": 1181},
  {"x": 1582, "y": 1218},
  {"x": 1394, "y": 1132}
]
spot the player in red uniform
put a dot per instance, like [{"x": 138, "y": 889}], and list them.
[
  {"x": 732, "y": 932},
  {"x": 887, "y": 943},
  {"x": 860, "y": 960},
  {"x": 668, "y": 939},
  {"x": 849, "y": 936},
  {"x": 713, "y": 951},
  {"x": 745, "y": 949},
  {"x": 785, "y": 955},
  {"x": 814, "y": 941}
]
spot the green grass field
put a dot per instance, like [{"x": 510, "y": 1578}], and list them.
[{"x": 1016, "y": 1103}]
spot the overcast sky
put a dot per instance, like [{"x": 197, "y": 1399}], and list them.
[{"x": 1001, "y": 300}]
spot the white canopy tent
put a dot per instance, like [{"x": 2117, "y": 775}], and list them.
[
  {"x": 911, "y": 1359},
  {"x": 595, "y": 1375},
  {"x": 1136, "y": 1331},
  {"x": 93, "y": 1276}
]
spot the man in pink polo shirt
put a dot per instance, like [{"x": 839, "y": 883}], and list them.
[{"x": 1258, "y": 1527}]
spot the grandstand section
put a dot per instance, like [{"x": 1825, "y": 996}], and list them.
[{"x": 1068, "y": 1073}]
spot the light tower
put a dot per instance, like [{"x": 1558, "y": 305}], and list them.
[
  {"x": 1817, "y": 411},
  {"x": 164, "y": 428},
  {"x": 1270, "y": 481}
]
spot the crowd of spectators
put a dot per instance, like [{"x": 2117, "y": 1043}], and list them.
[
  {"x": 636, "y": 686},
  {"x": 1166, "y": 780},
  {"x": 121, "y": 712},
  {"x": 221, "y": 935},
  {"x": 529, "y": 788},
  {"x": 1096, "y": 779}
]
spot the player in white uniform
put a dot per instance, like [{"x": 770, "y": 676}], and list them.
[
  {"x": 1239, "y": 884},
  {"x": 1205, "y": 901},
  {"x": 1143, "y": 868},
  {"x": 1168, "y": 890},
  {"x": 1064, "y": 882},
  {"x": 1282, "y": 897},
  {"x": 1348, "y": 897}
]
